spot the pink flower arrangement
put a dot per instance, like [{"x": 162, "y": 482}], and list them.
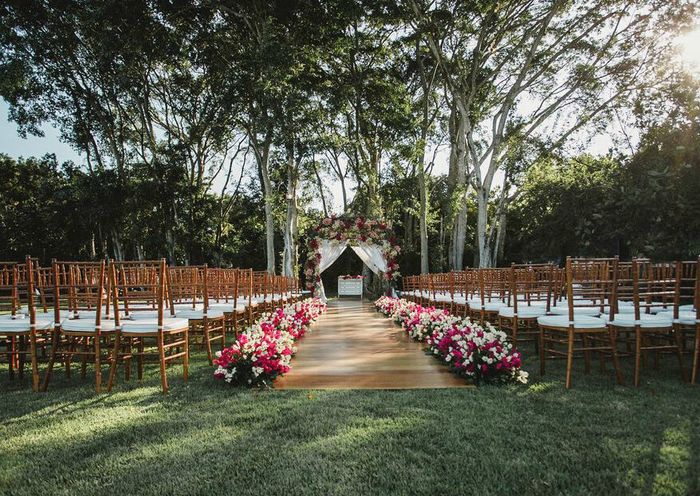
[
  {"x": 264, "y": 351},
  {"x": 344, "y": 229},
  {"x": 481, "y": 354},
  {"x": 352, "y": 277}
]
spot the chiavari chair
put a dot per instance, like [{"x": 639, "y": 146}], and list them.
[
  {"x": 223, "y": 295},
  {"x": 686, "y": 308},
  {"x": 652, "y": 287},
  {"x": 459, "y": 297},
  {"x": 492, "y": 295},
  {"x": 84, "y": 328},
  {"x": 588, "y": 286},
  {"x": 529, "y": 299},
  {"x": 138, "y": 293},
  {"x": 190, "y": 289},
  {"x": 21, "y": 333}
]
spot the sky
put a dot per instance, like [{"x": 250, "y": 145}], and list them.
[{"x": 11, "y": 144}]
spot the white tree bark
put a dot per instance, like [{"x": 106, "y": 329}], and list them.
[{"x": 290, "y": 252}]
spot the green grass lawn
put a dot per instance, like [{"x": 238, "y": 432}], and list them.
[{"x": 206, "y": 438}]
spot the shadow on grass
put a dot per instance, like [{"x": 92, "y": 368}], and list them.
[{"x": 206, "y": 438}]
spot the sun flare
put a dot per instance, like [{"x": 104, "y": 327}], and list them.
[{"x": 689, "y": 45}]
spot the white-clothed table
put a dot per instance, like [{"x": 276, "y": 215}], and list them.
[{"x": 370, "y": 254}]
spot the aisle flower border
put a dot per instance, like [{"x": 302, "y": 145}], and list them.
[
  {"x": 263, "y": 351},
  {"x": 479, "y": 353},
  {"x": 351, "y": 230}
]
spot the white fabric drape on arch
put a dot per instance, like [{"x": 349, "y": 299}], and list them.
[
  {"x": 330, "y": 250},
  {"x": 372, "y": 256}
]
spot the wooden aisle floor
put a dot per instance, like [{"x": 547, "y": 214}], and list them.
[{"x": 353, "y": 347}]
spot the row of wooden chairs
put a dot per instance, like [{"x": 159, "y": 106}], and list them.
[
  {"x": 118, "y": 312},
  {"x": 590, "y": 306}
]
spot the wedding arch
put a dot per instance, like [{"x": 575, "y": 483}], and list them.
[{"x": 372, "y": 240}]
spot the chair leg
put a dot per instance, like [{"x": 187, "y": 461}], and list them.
[
  {"x": 542, "y": 353},
  {"x": 35, "y": 365},
  {"x": 83, "y": 358},
  {"x": 615, "y": 358},
  {"x": 98, "y": 366},
  {"x": 21, "y": 356},
  {"x": 161, "y": 354},
  {"x": 115, "y": 358},
  {"x": 207, "y": 341},
  {"x": 55, "y": 338},
  {"x": 696, "y": 356},
  {"x": 586, "y": 354},
  {"x": 139, "y": 360},
  {"x": 11, "y": 348},
  {"x": 186, "y": 361},
  {"x": 637, "y": 355},
  {"x": 569, "y": 358},
  {"x": 679, "y": 353}
]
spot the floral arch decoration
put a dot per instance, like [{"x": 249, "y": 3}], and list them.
[{"x": 355, "y": 232}]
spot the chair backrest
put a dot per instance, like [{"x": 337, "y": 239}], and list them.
[
  {"x": 590, "y": 283},
  {"x": 9, "y": 293},
  {"x": 80, "y": 286},
  {"x": 531, "y": 283},
  {"x": 140, "y": 286},
  {"x": 688, "y": 286},
  {"x": 653, "y": 286},
  {"x": 17, "y": 285},
  {"x": 189, "y": 285}
]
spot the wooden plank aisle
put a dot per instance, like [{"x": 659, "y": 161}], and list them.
[{"x": 354, "y": 347}]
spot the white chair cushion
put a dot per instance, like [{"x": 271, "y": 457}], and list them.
[
  {"x": 685, "y": 318},
  {"x": 645, "y": 320},
  {"x": 144, "y": 315},
  {"x": 580, "y": 321},
  {"x": 151, "y": 325},
  {"x": 493, "y": 306},
  {"x": 20, "y": 324},
  {"x": 524, "y": 312},
  {"x": 222, "y": 306},
  {"x": 212, "y": 313},
  {"x": 86, "y": 325},
  {"x": 533, "y": 303},
  {"x": 564, "y": 310},
  {"x": 621, "y": 309}
]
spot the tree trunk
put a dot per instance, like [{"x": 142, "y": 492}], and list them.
[
  {"x": 482, "y": 198},
  {"x": 458, "y": 155},
  {"x": 459, "y": 235},
  {"x": 423, "y": 219},
  {"x": 289, "y": 255},
  {"x": 117, "y": 246},
  {"x": 500, "y": 238},
  {"x": 262, "y": 159}
]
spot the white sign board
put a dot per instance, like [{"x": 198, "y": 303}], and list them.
[{"x": 349, "y": 287}]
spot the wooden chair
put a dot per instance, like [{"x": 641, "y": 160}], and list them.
[
  {"x": 493, "y": 290},
  {"x": 21, "y": 333},
  {"x": 529, "y": 299},
  {"x": 686, "y": 309},
  {"x": 138, "y": 295},
  {"x": 459, "y": 297},
  {"x": 190, "y": 291},
  {"x": 652, "y": 287},
  {"x": 588, "y": 290},
  {"x": 85, "y": 328}
]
